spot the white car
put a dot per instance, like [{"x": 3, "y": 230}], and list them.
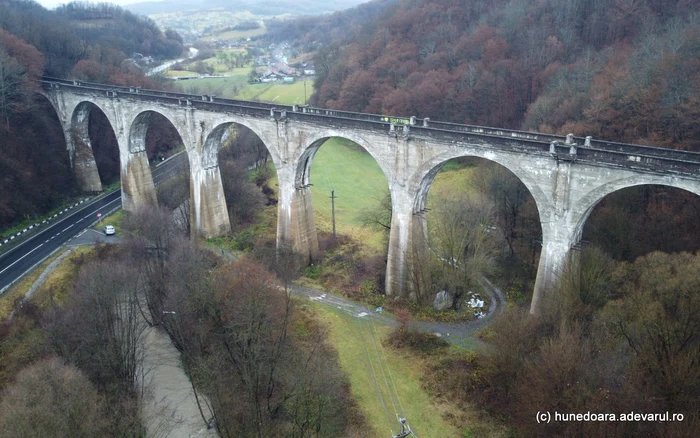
[{"x": 109, "y": 230}]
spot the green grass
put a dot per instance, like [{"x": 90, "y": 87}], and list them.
[
  {"x": 176, "y": 73},
  {"x": 451, "y": 181},
  {"x": 114, "y": 219},
  {"x": 363, "y": 359},
  {"x": 228, "y": 87},
  {"x": 287, "y": 94},
  {"x": 236, "y": 86},
  {"x": 237, "y": 34},
  {"x": 358, "y": 182}
]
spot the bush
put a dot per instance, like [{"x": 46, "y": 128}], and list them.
[
  {"x": 419, "y": 342},
  {"x": 52, "y": 399}
]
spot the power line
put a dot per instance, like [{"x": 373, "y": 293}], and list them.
[
  {"x": 374, "y": 377},
  {"x": 405, "y": 428},
  {"x": 391, "y": 377},
  {"x": 381, "y": 367}
]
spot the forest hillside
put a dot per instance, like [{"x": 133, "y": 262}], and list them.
[
  {"x": 625, "y": 70},
  {"x": 80, "y": 40}
]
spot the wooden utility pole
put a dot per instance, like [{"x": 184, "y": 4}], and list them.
[{"x": 333, "y": 198}]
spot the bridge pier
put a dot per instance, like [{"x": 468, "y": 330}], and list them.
[
  {"x": 557, "y": 240},
  {"x": 296, "y": 227},
  {"x": 408, "y": 260},
  {"x": 209, "y": 210},
  {"x": 85, "y": 167},
  {"x": 137, "y": 182},
  {"x": 80, "y": 151}
]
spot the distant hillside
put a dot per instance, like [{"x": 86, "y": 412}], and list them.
[
  {"x": 621, "y": 70},
  {"x": 258, "y": 7}
]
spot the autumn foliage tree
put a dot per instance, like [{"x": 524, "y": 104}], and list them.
[
  {"x": 586, "y": 67},
  {"x": 21, "y": 65}
]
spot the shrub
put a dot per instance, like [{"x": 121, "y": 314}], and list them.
[
  {"x": 419, "y": 342},
  {"x": 52, "y": 399}
]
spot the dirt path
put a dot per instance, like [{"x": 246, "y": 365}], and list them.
[{"x": 455, "y": 333}]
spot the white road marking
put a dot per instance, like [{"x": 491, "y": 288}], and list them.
[
  {"x": 16, "y": 261},
  {"x": 66, "y": 228}
]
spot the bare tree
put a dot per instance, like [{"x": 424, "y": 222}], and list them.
[
  {"x": 463, "y": 238},
  {"x": 152, "y": 234},
  {"x": 379, "y": 216},
  {"x": 53, "y": 399},
  {"x": 175, "y": 195},
  {"x": 101, "y": 330},
  {"x": 508, "y": 195},
  {"x": 244, "y": 199}
]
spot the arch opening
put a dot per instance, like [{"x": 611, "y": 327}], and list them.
[
  {"x": 34, "y": 154},
  {"x": 478, "y": 219},
  {"x": 94, "y": 139},
  {"x": 155, "y": 134},
  {"x": 152, "y": 137},
  {"x": 349, "y": 191},
  {"x": 633, "y": 221},
  {"x": 247, "y": 173},
  {"x": 345, "y": 167}
]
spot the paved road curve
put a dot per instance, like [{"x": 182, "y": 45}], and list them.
[{"x": 17, "y": 261}]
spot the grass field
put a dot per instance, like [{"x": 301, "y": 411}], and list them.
[
  {"x": 358, "y": 182},
  {"x": 236, "y": 85},
  {"x": 237, "y": 34},
  {"x": 57, "y": 284},
  {"x": 383, "y": 377},
  {"x": 451, "y": 181},
  {"x": 177, "y": 73},
  {"x": 228, "y": 87},
  {"x": 287, "y": 94}
]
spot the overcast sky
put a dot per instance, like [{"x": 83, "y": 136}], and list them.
[{"x": 50, "y": 4}]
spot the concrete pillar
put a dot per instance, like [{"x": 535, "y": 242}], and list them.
[
  {"x": 83, "y": 163},
  {"x": 80, "y": 151},
  {"x": 209, "y": 211},
  {"x": 407, "y": 269},
  {"x": 558, "y": 237},
  {"x": 296, "y": 228},
  {"x": 553, "y": 259},
  {"x": 137, "y": 182}
]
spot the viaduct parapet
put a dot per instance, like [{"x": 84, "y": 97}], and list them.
[{"x": 567, "y": 176}]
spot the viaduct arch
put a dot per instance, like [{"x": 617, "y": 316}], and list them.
[{"x": 567, "y": 176}]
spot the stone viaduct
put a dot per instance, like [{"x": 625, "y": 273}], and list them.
[{"x": 567, "y": 176}]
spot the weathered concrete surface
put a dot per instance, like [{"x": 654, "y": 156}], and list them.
[
  {"x": 207, "y": 194},
  {"x": 80, "y": 150},
  {"x": 565, "y": 179},
  {"x": 296, "y": 227},
  {"x": 85, "y": 168},
  {"x": 137, "y": 182},
  {"x": 408, "y": 260}
]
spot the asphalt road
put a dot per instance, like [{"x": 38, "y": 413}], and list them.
[{"x": 24, "y": 256}]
